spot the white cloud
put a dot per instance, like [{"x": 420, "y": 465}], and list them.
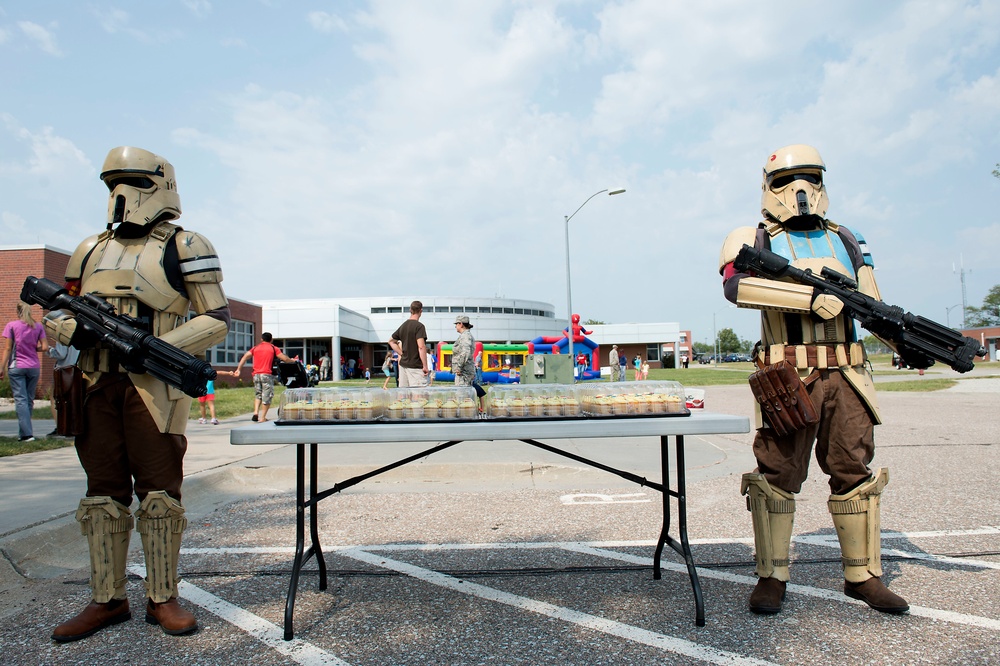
[
  {"x": 326, "y": 22},
  {"x": 41, "y": 36},
  {"x": 200, "y": 8}
]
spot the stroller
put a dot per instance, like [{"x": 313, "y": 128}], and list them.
[{"x": 293, "y": 375}]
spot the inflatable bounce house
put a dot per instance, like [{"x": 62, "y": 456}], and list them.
[
  {"x": 501, "y": 363},
  {"x": 588, "y": 356}
]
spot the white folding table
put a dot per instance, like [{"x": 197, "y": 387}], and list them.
[{"x": 447, "y": 435}]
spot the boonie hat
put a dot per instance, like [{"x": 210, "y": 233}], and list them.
[{"x": 463, "y": 320}]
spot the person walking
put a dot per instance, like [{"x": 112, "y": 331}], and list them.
[
  {"x": 387, "y": 368},
  {"x": 23, "y": 339},
  {"x": 613, "y": 362},
  {"x": 637, "y": 364},
  {"x": 410, "y": 342},
  {"x": 324, "y": 367},
  {"x": 622, "y": 366},
  {"x": 263, "y": 355}
]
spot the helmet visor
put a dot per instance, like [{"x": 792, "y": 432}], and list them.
[{"x": 779, "y": 181}]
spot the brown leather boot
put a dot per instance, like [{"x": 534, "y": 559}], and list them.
[
  {"x": 767, "y": 596},
  {"x": 172, "y": 619},
  {"x": 874, "y": 593},
  {"x": 92, "y": 619}
]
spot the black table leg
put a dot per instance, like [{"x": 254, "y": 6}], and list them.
[
  {"x": 302, "y": 554},
  {"x": 300, "y": 535},
  {"x": 682, "y": 547}
]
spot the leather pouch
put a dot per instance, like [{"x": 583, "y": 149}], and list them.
[
  {"x": 783, "y": 399},
  {"x": 67, "y": 394}
]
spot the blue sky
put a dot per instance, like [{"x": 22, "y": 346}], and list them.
[{"x": 433, "y": 148}]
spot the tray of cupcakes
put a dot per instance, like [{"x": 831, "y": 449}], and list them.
[
  {"x": 634, "y": 399},
  {"x": 586, "y": 400},
  {"x": 328, "y": 406},
  {"x": 534, "y": 401}
]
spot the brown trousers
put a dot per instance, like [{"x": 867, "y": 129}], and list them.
[
  {"x": 843, "y": 438},
  {"x": 120, "y": 442}
]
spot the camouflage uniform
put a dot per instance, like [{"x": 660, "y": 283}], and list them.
[{"x": 461, "y": 359}]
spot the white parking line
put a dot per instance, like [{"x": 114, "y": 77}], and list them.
[
  {"x": 922, "y": 611},
  {"x": 268, "y": 633},
  {"x": 307, "y": 654},
  {"x": 603, "y": 625}
]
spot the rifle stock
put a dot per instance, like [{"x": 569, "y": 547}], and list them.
[
  {"x": 137, "y": 350},
  {"x": 918, "y": 338}
]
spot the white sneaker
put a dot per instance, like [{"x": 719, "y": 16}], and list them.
[
  {"x": 201, "y": 421},
  {"x": 215, "y": 421}
]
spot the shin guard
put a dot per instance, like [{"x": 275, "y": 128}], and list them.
[
  {"x": 107, "y": 525},
  {"x": 773, "y": 513},
  {"x": 856, "y": 517},
  {"x": 160, "y": 521}
]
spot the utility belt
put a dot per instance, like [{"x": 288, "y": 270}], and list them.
[{"x": 815, "y": 356}]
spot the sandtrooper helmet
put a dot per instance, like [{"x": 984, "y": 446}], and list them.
[
  {"x": 143, "y": 187},
  {"x": 793, "y": 184}
]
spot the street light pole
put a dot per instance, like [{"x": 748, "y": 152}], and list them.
[
  {"x": 947, "y": 314},
  {"x": 569, "y": 290}
]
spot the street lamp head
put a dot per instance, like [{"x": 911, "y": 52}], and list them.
[{"x": 615, "y": 190}]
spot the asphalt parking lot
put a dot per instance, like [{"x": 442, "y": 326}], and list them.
[{"x": 501, "y": 555}]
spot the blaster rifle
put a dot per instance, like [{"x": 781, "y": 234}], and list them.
[
  {"x": 137, "y": 350},
  {"x": 920, "y": 341}
]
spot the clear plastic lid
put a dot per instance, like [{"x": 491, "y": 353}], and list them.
[
  {"x": 650, "y": 398},
  {"x": 333, "y": 404},
  {"x": 432, "y": 403},
  {"x": 533, "y": 401}
]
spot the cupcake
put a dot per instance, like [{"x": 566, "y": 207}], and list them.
[
  {"x": 395, "y": 411},
  {"x": 292, "y": 411},
  {"x": 619, "y": 405},
  {"x": 467, "y": 408},
  {"x": 309, "y": 411},
  {"x": 415, "y": 410},
  {"x": 345, "y": 410},
  {"x": 325, "y": 411},
  {"x": 497, "y": 407},
  {"x": 449, "y": 409},
  {"x": 516, "y": 407},
  {"x": 365, "y": 410},
  {"x": 570, "y": 406},
  {"x": 535, "y": 406}
]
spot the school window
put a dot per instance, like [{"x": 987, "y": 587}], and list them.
[
  {"x": 653, "y": 352},
  {"x": 239, "y": 339}
]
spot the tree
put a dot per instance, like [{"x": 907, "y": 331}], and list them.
[
  {"x": 996, "y": 172},
  {"x": 989, "y": 314},
  {"x": 874, "y": 346},
  {"x": 729, "y": 342}
]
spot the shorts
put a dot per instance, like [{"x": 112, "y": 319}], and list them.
[
  {"x": 414, "y": 377},
  {"x": 263, "y": 388},
  {"x": 206, "y": 398}
]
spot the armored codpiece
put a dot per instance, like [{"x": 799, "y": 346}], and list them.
[
  {"x": 919, "y": 340},
  {"x": 137, "y": 350}
]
